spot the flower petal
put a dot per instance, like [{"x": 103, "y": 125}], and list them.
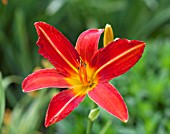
[
  {"x": 87, "y": 43},
  {"x": 62, "y": 105},
  {"x": 56, "y": 48},
  {"x": 107, "y": 97},
  {"x": 44, "y": 78},
  {"x": 116, "y": 58}
]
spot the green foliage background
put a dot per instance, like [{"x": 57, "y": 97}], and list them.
[{"x": 145, "y": 88}]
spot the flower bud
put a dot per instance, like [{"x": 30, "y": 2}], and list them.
[
  {"x": 108, "y": 35},
  {"x": 94, "y": 113}
]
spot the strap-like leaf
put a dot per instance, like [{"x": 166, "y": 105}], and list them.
[{"x": 2, "y": 101}]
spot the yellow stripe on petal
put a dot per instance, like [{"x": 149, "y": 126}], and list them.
[
  {"x": 67, "y": 101},
  {"x": 125, "y": 53},
  {"x": 56, "y": 49},
  {"x": 108, "y": 35}
]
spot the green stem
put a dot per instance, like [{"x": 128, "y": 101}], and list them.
[
  {"x": 89, "y": 127},
  {"x": 90, "y": 122}
]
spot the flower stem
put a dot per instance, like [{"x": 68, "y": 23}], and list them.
[
  {"x": 90, "y": 122},
  {"x": 89, "y": 127}
]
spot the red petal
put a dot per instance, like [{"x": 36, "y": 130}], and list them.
[
  {"x": 117, "y": 58},
  {"x": 107, "y": 97},
  {"x": 43, "y": 79},
  {"x": 87, "y": 43},
  {"x": 56, "y": 48},
  {"x": 61, "y": 106}
]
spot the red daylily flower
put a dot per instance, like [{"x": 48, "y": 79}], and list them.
[{"x": 83, "y": 70}]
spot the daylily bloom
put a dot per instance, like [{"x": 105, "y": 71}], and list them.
[{"x": 83, "y": 70}]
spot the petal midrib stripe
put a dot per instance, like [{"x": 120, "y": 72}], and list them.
[
  {"x": 64, "y": 58},
  {"x": 116, "y": 58},
  {"x": 65, "y": 106}
]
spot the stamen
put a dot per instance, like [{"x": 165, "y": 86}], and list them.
[
  {"x": 80, "y": 72},
  {"x": 83, "y": 73}
]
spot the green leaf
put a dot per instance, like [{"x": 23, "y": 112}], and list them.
[
  {"x": 20, "y": 32},
  {"x": 2, "y": 101},
  {"x": 11, "y": 79},
  {"x": 29, "y": 113},
  {"x": 106, "y": 127}
]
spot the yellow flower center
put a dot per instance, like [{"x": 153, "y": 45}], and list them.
[{"x": 83, "y": 80}]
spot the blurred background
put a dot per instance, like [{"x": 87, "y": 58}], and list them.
[{"x": 145, "y": 88}]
